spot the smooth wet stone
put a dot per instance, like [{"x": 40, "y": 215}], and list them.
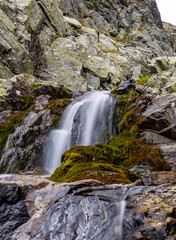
[
  {"x": 13, "y": 210},
  {"x": 95, "y": 208}
]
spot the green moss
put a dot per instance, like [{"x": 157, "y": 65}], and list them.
[
  {"x": 134, "y": 131},
  {"x": 101, "y": 153},
  {"x": 127, "y": 119},
  {"x": 105, "y": 173},
  {"x": 144, "y": 79},
  {"x": 138, "y": 152},
  {"x": 99, "y": 162},
  {"x": 35, "y": 85},
  {"x": 57, "y": 107},
  {"x": 26, "y": 102},
  {"x": 8, "y": 127},
  {"x": 135, "y": 151},
  {"x": 173, "y": 88}
]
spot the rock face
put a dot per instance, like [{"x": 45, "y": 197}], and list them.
[
  {"x": 84, "y": 54},
  {"x": 36, "y": 107},
  {"x": 89, "y": 210}
]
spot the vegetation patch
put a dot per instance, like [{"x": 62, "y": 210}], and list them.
[
  {"x": 144, "y": 79},
  {"x": 57, "y": 107},
  {"x": 128, "y": 141},
  {"x": 8, "y": 127},
  {"x": 101, "y": 162},
  {"x": 35, "y": 85},
  {"x": 138, "y": 152}
]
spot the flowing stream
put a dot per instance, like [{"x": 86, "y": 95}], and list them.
[{"x": 86, "y": 121}]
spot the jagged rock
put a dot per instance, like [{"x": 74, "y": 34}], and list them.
[
  {"x": 29, "y": 26},
  {"x": 125, "y": 88},
  {"x": 125, "y": 20},
  {"x": 162, "y": 80},
  {"x": 167, "y": 145},
  {"x": 160, "y": 117}
]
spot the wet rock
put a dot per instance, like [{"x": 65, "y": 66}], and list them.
[
  {"x": 26, "y": 142},
  {"x": 40, "y": 105},
  {"x": 146, "y": 223},
  {"x": 148, "y": 210},
  {"x": 125, "y": 88},
  {"x": 12, "y": 209}
]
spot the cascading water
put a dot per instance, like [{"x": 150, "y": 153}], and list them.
[{"x": 86, "y": 121}]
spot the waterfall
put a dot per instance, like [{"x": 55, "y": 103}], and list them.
[{"x": 86, "y": 121}]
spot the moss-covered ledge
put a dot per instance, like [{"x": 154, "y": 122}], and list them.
[{"x": 101, "y": 162}]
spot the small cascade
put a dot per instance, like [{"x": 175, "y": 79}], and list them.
[
  {"x": 118, "y": 220},
  {"x": 86, "y": 121}
]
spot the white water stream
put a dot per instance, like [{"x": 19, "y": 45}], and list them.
[
  {"x": 118, "y": 220},
  {"x": 86, "y": 121}
]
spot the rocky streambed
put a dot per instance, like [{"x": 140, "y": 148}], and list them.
[{"x": 87, "y": 209}]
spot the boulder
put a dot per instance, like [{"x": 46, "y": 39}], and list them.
[
  {"x": 160, "y": 116},
  {"x": 12, "y": 209},
  {"x": 167, "y": 146}
]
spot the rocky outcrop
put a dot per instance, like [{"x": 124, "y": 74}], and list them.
[
  {"x": 36, "y": 107},
  {"x": 82, "y": 45},
  {"x": 91, "y": 53},
  {"x": 97, "y": 210},
  {"x": 138, "y": 22},
  {"x": 24, "y": 27}
]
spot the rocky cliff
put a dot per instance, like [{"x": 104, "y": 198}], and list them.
[{"x": 53, "y": 51}]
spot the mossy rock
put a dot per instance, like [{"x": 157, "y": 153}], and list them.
[
  {"x": 99, "y": 162},
  {"x": 8, "y": 127},
  {"x": 26, "y": 102},
  {"x": 100, "y": 153},
  {"x": 144, "y": 79},
  {"x": 57, "y": 107},
  {"x": 138, "y": 152},
  {"x": 106, "y": 173},
  {"x": 54, "y": 92}
]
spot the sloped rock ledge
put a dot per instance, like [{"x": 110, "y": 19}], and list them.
[{"x": 90, "y": 210}]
